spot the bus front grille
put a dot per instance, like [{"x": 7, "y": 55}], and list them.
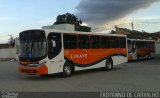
[{"x": 28, "y": 71}]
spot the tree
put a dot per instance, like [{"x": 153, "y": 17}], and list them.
[
  {"x": 11, "y": 41},
  {"x": 72, "y": 19}
]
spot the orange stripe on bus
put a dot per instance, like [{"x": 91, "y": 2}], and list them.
[
  {"x": 87, "y": 56},
  {"x": 144, "y": 51}
]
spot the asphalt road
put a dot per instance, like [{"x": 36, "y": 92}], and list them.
[{"x": 135, "y": 76}]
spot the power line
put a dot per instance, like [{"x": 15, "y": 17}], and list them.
[{"x": 147, "y": 22}]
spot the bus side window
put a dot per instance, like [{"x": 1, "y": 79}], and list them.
[
  {"x": 114, "y": 42},
  {"x": 105, "y": 42},
  {"x": 138, "y": 44},
  {"x": 122, "y": 42},
  {"x": 83, "y": 42},
  {"x": 70, "y": 41},
  {"x": 95, "y": 42}
]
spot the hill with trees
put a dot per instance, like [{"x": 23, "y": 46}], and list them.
[{"x": 134, "y": 34}]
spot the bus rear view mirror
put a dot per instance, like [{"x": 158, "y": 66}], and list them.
[
  {"x": 134, "y": 46},
  {"x": 53, "y": 43}
]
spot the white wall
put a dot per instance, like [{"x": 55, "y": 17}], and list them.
[
  {"x": 66, "y": 27},
  {"x": 157, "y": 45},
  {"x": 8, "y": 53}
]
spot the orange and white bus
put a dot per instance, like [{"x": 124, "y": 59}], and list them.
[
  {"x": 140, "y": 49},
  {"x": 52, "y": 51}
]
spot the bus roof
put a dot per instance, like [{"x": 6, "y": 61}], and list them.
[
  {"x": 79, "y": 32},
  {"x": 139, "y": 39}
]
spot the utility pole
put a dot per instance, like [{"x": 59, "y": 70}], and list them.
[{"x": 132, "y": 26}]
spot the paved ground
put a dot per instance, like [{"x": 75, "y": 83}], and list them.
[{"x": 135, "y": 76}]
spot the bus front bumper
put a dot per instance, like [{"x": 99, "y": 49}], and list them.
[{"x": 40, "y": 70}]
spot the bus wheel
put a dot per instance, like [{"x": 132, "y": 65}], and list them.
[
  {"x": 109, "y": 65},
  {"x": 67, "y": 69}
]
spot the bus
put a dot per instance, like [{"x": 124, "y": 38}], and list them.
[
  {"x": 140, "y": 49},
  {"x": 50, "y": 51}
]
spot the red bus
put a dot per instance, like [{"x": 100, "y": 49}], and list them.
[{"x": 140, "y": 49}]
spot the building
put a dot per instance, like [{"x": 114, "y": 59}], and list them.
[{"x": 67, "y": 27}]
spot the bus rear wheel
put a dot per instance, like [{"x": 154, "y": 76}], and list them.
[
  {"x": 109, "y": 65},
  {"x": 67, "y": 69}
]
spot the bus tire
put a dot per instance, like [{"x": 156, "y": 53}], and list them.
[
  {"x": 109, "y": 65},
  {"x": 67, "y": 69}
]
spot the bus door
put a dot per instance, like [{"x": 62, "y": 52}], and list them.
[
  {"x": 134, "y": 50},
  {"x": 131, "y": 50},
  {"x": 55, "y": 52}
]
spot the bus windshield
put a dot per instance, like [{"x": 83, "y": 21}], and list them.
[
  {"x": 33, "y": 48},
  {"x": 33, "y": 44}
]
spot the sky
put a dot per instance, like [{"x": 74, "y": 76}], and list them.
[{"x": 101, "y": 15}]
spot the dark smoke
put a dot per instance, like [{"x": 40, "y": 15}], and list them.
[{"x": 103, "y": 11}]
